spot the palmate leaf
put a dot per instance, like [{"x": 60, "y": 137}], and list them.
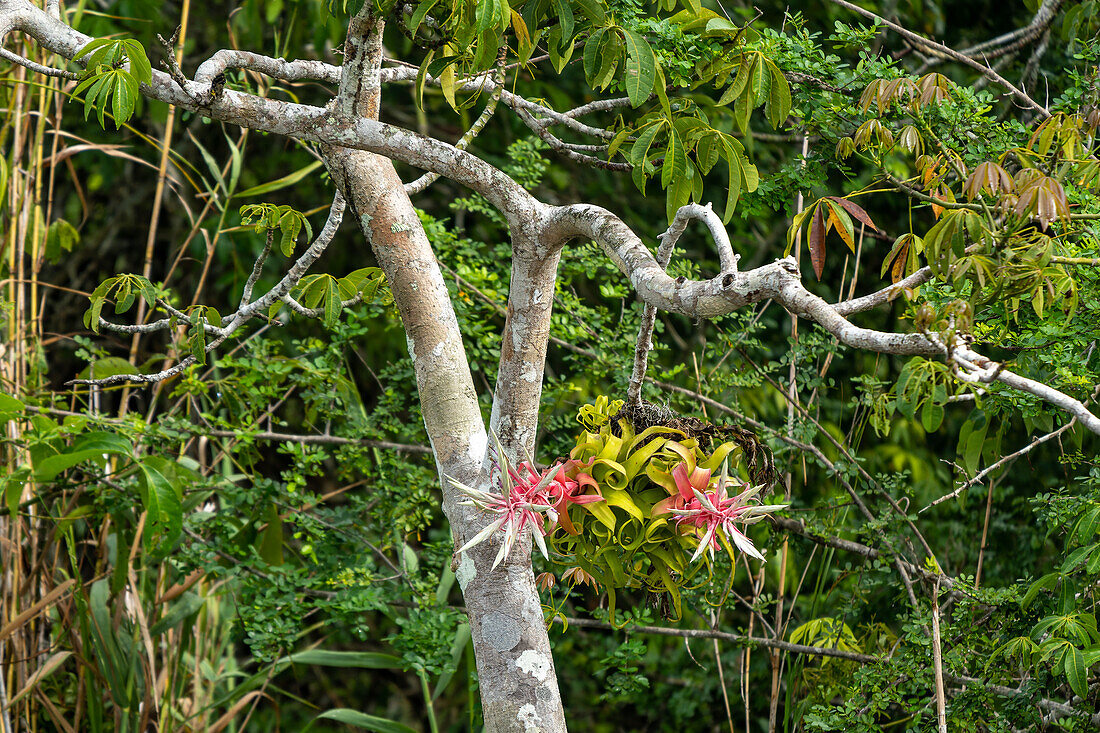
[
  {"x": 106, "y": 82},
  {"x": 901, "y": 259}
]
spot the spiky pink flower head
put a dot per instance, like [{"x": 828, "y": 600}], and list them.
[
  {"x": 714, "y": 511},
  {"x": 525, "y": 497}
]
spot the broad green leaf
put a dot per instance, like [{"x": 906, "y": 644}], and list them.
[
  {"x": 10, "y": 407},
  {"x": 91, "y": 446},
  {"x": 61, "y": 236},
  {"x": 11, "y": 487},
  {"x": 313, "y": 289},
  {"x": 563, "y": 9},
  {"x": 108, "y": 366},
  {"x": 779, "y": 97},
  {"x": 594, "y": 10},
  {"x": 486, "y": 15},
  {"x": 675, "y": 164},
  {"x": 591, "y": 55},
  {"x": 640, "y": 64},
  {"x": 164, "y": 522},
  {"x": 197, "y": 342},
  {"x": 741, "y": 81},
  {"x": 269, "y": 545},
  {"x": 1077, "y": 672},
  {"x": 333, "y": 306},
  {"x": 140, "y": 68}
]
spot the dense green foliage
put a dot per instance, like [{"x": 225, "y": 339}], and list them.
[{"x": 243, "y": 547}]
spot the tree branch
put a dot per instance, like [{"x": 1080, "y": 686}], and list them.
[
  {"x": 245, "y": 313},
  {"x": 922, "y": 42},
  {"x": 741, "y": 639}
]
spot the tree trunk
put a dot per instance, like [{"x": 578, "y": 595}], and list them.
[{"x": 519, "y": 689}]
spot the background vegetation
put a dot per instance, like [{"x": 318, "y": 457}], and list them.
[{"x": 257, "y": 543}]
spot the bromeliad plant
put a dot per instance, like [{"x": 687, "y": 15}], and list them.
[{"x": 635, "y": 510}]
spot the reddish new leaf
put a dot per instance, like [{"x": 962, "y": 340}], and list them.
[
  {"x": 855, "y": 210},
  {"x": 816, "y": 241}
]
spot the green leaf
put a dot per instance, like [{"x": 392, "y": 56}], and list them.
[
  {"x": 486, "y": 15},
  {"x": 108, "y": 366},
  {"x": 418, "y": 16},
  {"x": 734, "y": 162},
  {"x": 290, "y": 224},
  {"x": 91, "y": 88},
  {"x": 140, "y": 68},
  {"x": 418, "y": 89},
  {"x": 972, "y": 450},
  {"x": 364, "y": 721},
  {"x": 359, "y": 660},
  {"x": 706, "y": 153},
  {"x": 591, "y": 55},
  {"x": 270, "y": 542},
  {"x": 125, "y": 96},
  {"x": 1047, "y": 582},
  {"x": 1077, "y": 672},
  {"x": 675, "y": 165},
  {"x": 164, "y": 521},
  {"x": 677, "y": 194},
  {"x": 367, "y": 280},
  {"x": 931, "y": 416},
  {"x": 86, "y": 447},
  {"x": 640, "y": 64},
  {"x": 313, "y": 289},
  {"x": 197, "y": 342},
  {"x": 185, "y": 606},
  {"x": 211, "y": 165},
  {"x": 778, "y": 105},
  {"x": 333, "y": 306},
  {"x": 741, "y": 81},
  {"x": 11, "y": 487},
  {"x": 61, "y": 236},
  {"x": 594, "y": 10},
  {"x": 564, "y": 11},
  {"x": 10, "y": 407}
]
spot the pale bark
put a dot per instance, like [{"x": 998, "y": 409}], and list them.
[
  {"x": 515, "y": 667},
  {"x": 511, "y": 647}
]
